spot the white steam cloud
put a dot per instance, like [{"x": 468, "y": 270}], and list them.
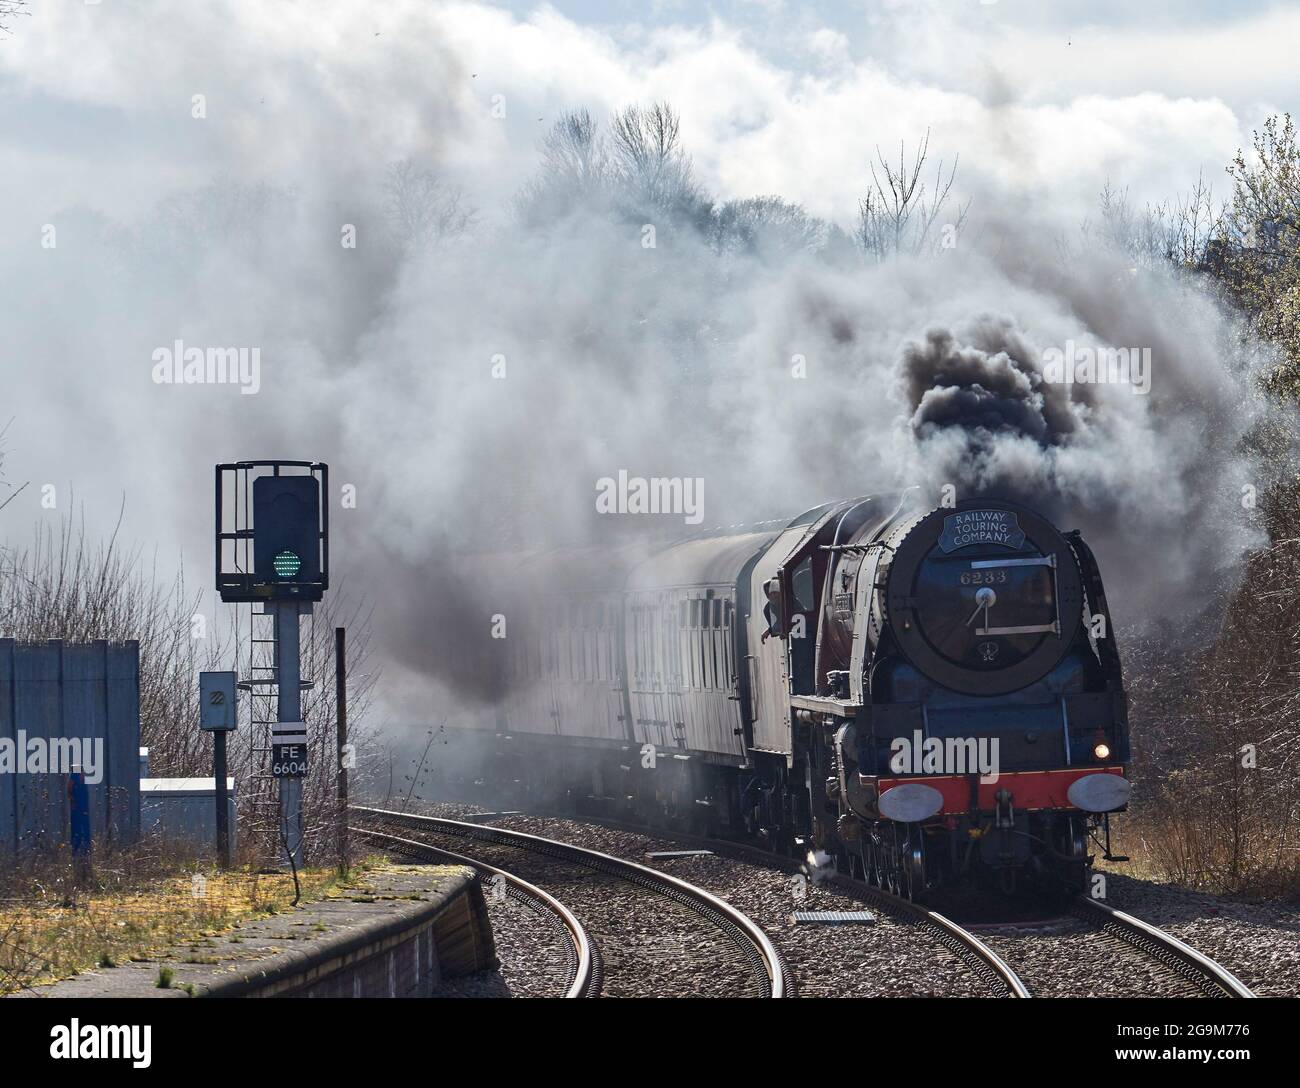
[{"x": 771, "y": 360}]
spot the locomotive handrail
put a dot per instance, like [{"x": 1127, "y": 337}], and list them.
[{"x": 854, "y": 547}]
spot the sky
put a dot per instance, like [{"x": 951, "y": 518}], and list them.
[
  {"x": 126, "y": 127},
  {"x": 1053, "y": 100}
]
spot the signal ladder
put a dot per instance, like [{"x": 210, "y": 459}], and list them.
[{"x": 260, "y": 678}]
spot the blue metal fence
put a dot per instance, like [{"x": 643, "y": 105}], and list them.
[{"x": 64, "y": 703}]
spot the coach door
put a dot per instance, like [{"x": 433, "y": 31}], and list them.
[
  {"x": 768, "y": 663},
  {"x": 676, "y": 646},
  {"x": 647, "y": 689}
]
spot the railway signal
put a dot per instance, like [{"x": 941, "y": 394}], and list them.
[
  {"x": 278, "y": 556},
  {"x": 286, "y": 540}
]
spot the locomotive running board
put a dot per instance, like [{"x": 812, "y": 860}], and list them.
[{"x": 820, "y": 704}]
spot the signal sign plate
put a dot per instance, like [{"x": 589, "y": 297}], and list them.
[{"x": 288, "y": 749}]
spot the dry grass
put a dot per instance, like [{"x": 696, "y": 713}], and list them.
[
  {"x": 51, "y": 930},
  {"x": 1179, "y": 837}
]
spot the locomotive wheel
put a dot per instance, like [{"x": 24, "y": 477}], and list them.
[
  {"x": 914, "y": 865},
  {"x": 1074, "y": 872}
]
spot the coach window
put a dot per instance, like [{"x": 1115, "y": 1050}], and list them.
[
  {"x": 688, "y": 644},
  {"x": 564, "y": 651},
  {"x": 580, "y": 641},
  {"x": 715, "y": 642},
  {"x": 705, "y": 679},
  {"x": 565, "y": 648},
  {"x": 593, "y": 627},
  {"x": 727, "y": 645},
  {"x": 580, "y": 614},
  {"x": 602, "y": 641},
  {"x": 589, "y": 642},
  {"x": 638, "y": 649},
  {"x": 584, "y": 639},
  {"x": 678, "y": 639}
]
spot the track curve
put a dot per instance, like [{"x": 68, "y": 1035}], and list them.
[
  {"x": 584, "y": 967},
  {"x": 768, "y": 971}
]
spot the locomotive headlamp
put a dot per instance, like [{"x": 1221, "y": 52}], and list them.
[
  {"x": 1102, "y": 751},
  {"x": 286, "y": 564}
]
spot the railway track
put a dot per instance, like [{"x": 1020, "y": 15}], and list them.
[
  {"x": 996, "y": 977},
  {"x": 650, "y": 932},
  {"x": 1146, "y": 958},
  {"x": 1097, "y": 951},
  {"x": 1211, "y": 978},
  {"x": 582, "y": 963}
]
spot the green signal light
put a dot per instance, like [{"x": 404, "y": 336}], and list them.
[{"x": 286, "y": 564}]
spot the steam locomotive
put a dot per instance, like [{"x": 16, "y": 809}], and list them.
[{"x": 929, "y": 697}]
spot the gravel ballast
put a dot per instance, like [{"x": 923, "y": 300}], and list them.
[
  {"x": 1259, "y": 943},
  {"x": 890, "y": 958}
]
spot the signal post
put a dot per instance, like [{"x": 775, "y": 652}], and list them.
[{"x": 272, "y": 548}]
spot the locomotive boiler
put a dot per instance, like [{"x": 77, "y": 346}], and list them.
[{"x": 928, "y": 696}]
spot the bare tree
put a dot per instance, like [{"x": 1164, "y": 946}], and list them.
[
  {"x": 1217, "y": 720},
  {"x": 770, "y": 227},
  {"x": 422, "y": 209},
  {"x": 576, "y": 153},
  {"x": 225, "y": 215},
  {"x": 653, "y": 171},
  {"x": 8, "y": 9},
  {"x": 1195, "y": 221},
  {"x": 575, "y": 171},
  {"x": 898, "y": 214},
  {"x": 1181, "y": 233},
  {"x": 13, "y": 492},
  {"x": 637, "y": 171},
  {"x": 1258, "y": 257},
  {"x": 61, "y": 586}
]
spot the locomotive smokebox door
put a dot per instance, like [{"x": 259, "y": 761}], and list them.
[{"x": 985, "y": 598}]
